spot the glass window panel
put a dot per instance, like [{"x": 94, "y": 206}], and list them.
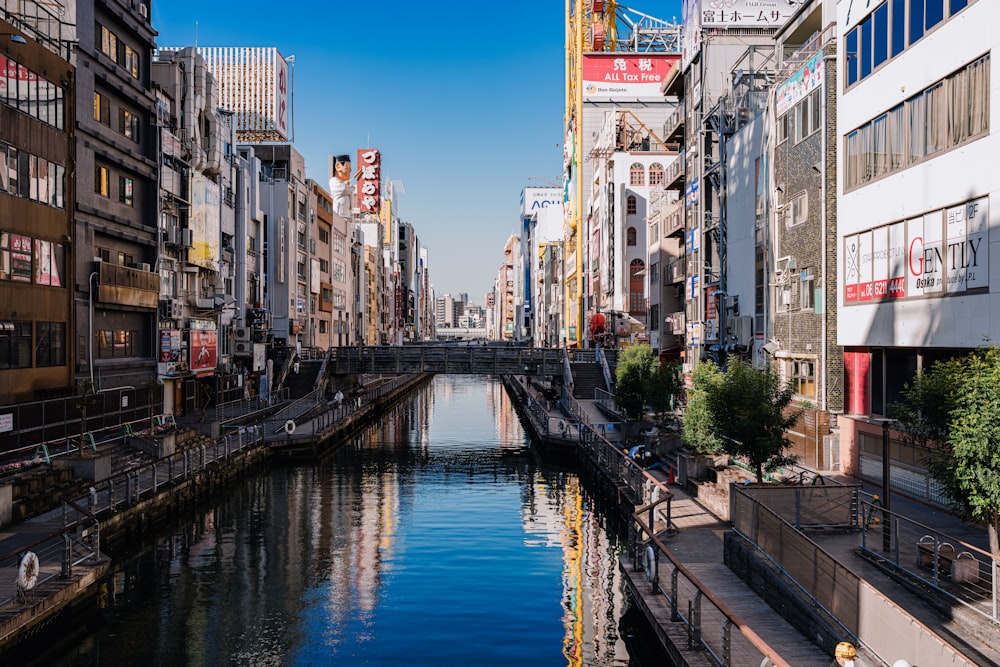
[
  {"x": 32, "y": 177},
  {"x": 881, "y": 36},
  {"x": 20, "y": 258},
  {"x": 898, "y": 26},
  {"x": 12, "y": 172},
  {"x": 933, "y": 12},
  {"x": 22, "y": 88},
  {"x": 3, "y": 166},
  {"x": 24, "y": 173},
  {"x": 866, "y": 47},
  {"x": 5, "y": 67},
  {"x": 916, "y": 20},
  {"x": 958, "y": 5}
]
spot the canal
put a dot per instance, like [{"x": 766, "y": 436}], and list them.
[{"x": 437, "y": 537}]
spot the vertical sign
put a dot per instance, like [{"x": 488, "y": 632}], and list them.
[
  {"x": 281, "y": 90},
  {"x": 851, "y": 263},
  {"x": 369, "y": 180}
]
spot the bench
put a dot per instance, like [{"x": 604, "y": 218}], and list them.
[{"x": 960, "y": 567}]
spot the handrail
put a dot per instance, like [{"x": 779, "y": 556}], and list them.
[
  {"x": 692, "y": 619},
  {"x": 567, "y": 371},
  {"x": 603, "y": 360}
]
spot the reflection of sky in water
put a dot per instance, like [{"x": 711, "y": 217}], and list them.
[{"x": 423, "y": 542}]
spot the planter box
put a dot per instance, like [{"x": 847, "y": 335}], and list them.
[{"x": 94, "y": 469}]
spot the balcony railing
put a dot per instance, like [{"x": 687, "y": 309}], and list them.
[{"x": 126, "y": 286}]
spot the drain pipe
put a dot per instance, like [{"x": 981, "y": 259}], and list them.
[{"x": 90, "y": 344}]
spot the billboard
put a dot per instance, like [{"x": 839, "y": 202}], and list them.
[
  {"x": 939, "y": 253},
  {"x": 170, "y": 363},
  {"x": 806, "y": 79},
  {"x": 203, "y": 347},
  {"x": 747, "y": 13},
  {"x": 205, "y": 222},
  {"x": 369, "y": 180},
  {"x": 281, "y": 90},
  {"x": 625, "y": 76}
]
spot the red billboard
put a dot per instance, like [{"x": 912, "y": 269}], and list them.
[
  {"x": 204, "y": 346},
  {"x": 369, "y": 180},
  {"x": 625, "y": 76}
]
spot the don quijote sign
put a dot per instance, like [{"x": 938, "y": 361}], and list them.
[
  {"x": 369, "y": 180},
  {"x": 939, "y": 253}
]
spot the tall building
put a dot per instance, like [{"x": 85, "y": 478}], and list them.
[
  {"x": 117, "y": 169},
  {"x": 255, "y": 83},
  {"x": 37, "y": 267},
  {"x": 914, "y": 215}
]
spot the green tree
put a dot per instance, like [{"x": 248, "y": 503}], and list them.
[
  {"x": 663, "y": 389},
  {"x": 699, "y": 430},
  {"x": 633, "y": 374},
  {"x": 750, "y": 412},
  {"x": 953, "y": 411}
]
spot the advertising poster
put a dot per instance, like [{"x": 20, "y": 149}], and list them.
[
  {"x": 747, "y": 13},
  {"x": 625, "y": 76},
  {"x": 203, "y": 351},
  {"x": 805, "y": 80},
  {"x": 205, "y": 222},
  {"x": 369, "y": 180},
  {"x": 170, "y": 353}
]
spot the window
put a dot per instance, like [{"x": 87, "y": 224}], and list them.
[
  {"x": 15, "y": 345},
  {"x": 115, "y": 344},
  {"x": 109, "y": 43},
  {"x": 324, "y": 233},
  {"x": 948, "y": 113},
  {"x": 630, "y": 236},
  {"x": 636, "y": 287},
  {"x": 631, "y": 205},
  {"x": 807, "y": 294},
  {"x": 656, "y": 174},
  {"x": 102, "y": 109},
  {"x": 889, "y": 29},
  {"x": 802, "y": 377},
  {"x": 128, "y": 124},
  {"x": 102, "y": 185},
  {"x": 637, "y": 174},
  {"x": 131, "y": 62},
  {"x": 125, "y": 190},
  {"x": 798, "y": 209},
  {"x": 51, "y": 347},
  {"x": 15, "y": 257},
  {"x": 50, "y": 263}
]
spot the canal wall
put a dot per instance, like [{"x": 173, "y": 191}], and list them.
[{"x": 132, "y": 505}]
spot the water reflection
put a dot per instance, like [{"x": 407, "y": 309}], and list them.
[{"x": 435, "y": 538}]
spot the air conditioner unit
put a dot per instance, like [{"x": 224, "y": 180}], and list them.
[
  {"x": 186, "y": 241},
  {"x": 170, "y": 236},
  {"x": 144, "y": 267},
  {"x": 143, "y": 11},
  {"x": 176, "y": 310},
  {"x": 241, "y": 333},
  {"x": 243, "y": 348}
]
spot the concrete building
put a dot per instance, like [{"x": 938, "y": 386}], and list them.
[
  {"x": 117, "y": 169},
  {"x": 541, "y": 225},
  {"x": 916, "y": 240},
  {"x": 38, "y": 358},
  {"x": 320, "y": 256}
]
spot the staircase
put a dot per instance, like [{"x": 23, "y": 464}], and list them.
[
  {"x": 301, "y": 383},
  {"x": 587, "y": 375}
]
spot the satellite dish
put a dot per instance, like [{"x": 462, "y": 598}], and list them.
[
  {"x": 290, "y": 426},
  {"x": 27, "y": 572}
]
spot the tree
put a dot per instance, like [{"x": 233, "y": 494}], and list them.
[
  {"x": 699, "y": 432},
  {"x": 636, "y": 366},
  {"x": 663, "y": 389},
  {"x": 750, "y": 413},
  {"x": 953, "y": 411}
]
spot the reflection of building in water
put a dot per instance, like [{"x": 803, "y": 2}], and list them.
[
  {"x": 555, "y": 514},
  {"x": 509, "y": 432}
]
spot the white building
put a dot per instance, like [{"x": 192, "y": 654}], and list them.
[{"x": 915, "y": 183}]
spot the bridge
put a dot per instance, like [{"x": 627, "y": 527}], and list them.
[{"x": 459, "y": 359}]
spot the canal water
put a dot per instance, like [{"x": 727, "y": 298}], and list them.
[{"x": 436, "y": 538}]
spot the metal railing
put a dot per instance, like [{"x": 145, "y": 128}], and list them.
[
  {"x": 244, "y": 406},
  {"x": 711, "y": 626},
  {"x": 77, "y": 542},
  {"x": 964, "y": 573}
]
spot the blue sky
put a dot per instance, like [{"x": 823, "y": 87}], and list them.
[{"x": 464, "y": 100}]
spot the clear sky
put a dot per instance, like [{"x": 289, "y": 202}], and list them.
[{"x": 465, "y": 100}]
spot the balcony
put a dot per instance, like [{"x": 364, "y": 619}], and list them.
[{"x": 125, "y": 286}]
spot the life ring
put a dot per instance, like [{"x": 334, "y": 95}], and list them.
[
  {"x": 562, "y": 427},
  {"x": 290, "y": 426},
  {"x": 27, "y": 572},
  {"x": 649, "y": 563}
]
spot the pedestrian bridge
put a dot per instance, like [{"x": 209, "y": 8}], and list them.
[{"x": 458, "y": 359}]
